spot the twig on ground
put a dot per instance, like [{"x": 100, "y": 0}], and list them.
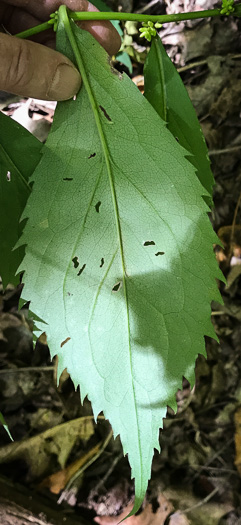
[
  {"x": 225, "y": 150},
  {"x": 202, "y": 502},
  {"x": 27, "y": 369},
  {"x": 101, "y": 483},
  {"x": 148, "y": 6}
]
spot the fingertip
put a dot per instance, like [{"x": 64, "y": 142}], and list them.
[
  {"x": 65, "y": 83},
  {"x": 31, "y": 70}
]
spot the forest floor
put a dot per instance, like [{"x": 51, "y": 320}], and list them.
[{"x": 64, "y": 468}]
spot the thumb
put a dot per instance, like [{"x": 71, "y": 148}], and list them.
[{"x": 32, "y": 70}]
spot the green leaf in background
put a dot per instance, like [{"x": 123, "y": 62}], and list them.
[
  {"x": 166, "y": 92},
  {"x": 124, "y": 58},
  {"x": 119, "y": 259},
  {"x": 19, "y": 155},
  {"x": 4, "y": 424}
]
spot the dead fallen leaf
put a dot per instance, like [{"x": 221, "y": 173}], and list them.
[
  {"x": 178, "y": 519},
  {"x": 58, "y": 481},
  {"x": 39, "y": 127},
  {"x": 147, "y": 517},
  {"x": 139, "y": 82},
  {"x": 234, "y": 273},
  {"x": 56, "y": 443},
  {"x": 226, "y": 233}
]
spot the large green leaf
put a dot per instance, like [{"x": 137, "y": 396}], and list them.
[
  {"x": 167, "y": 94},
  {"x": 119, "y": 260},
  {"x": 19, "y": 155}
]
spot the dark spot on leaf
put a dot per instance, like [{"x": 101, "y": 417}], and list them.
[
  {"x": 68, "y": 293},
  {"x": 97, "y": 206},
  {"x": 68, "y": 178},
  {"x": 92, "y": 155},
  {"x": 177, "y": 139},
  {"x": 75, "y": 260},
  {"x": 105, "y": 113},
  {"x": 65, "y": 341},
  {"x": 81, "y": 269},
  {"x": 116, "y": 287},
  {"x": 9, "y": 176},
  {"x": 102, "y": 262},
  {"x": 159, "y": 253},
  {"x": 149, "y": 243}
]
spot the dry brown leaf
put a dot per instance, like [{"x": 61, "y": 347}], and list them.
[
  {"x": 58, "y": 481},
  {"x": 179, "y": 519},
  {"x": 234, "y": 273},
  {"x": 228, "y": 101},
  {"x": 225, "y": 234},
  {"x": 139, "y": 82},
  {"x": 56, "y": 442},
  {"x": 147, "y": 517}
]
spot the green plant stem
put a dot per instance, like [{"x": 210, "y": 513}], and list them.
[
  {"x": 36, "y": 29},
  {"x": 162, "y": 19}
]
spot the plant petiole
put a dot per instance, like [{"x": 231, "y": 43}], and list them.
[{"x": 162, "y": 19}]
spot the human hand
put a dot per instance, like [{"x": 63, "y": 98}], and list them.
[{"x": 35, "y": 69}]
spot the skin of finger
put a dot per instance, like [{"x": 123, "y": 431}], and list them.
[
  {"x": 33, "y": 70},
  {"x": 15, "y": 20},
  {"x": 41, "y": 9},
  {"x": 103, "y": 31}
]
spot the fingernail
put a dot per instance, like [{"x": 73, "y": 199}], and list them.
[{"x": 65, "y": 83}]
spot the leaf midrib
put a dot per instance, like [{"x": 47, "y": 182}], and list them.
[{"x": 106, "y": 153}]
